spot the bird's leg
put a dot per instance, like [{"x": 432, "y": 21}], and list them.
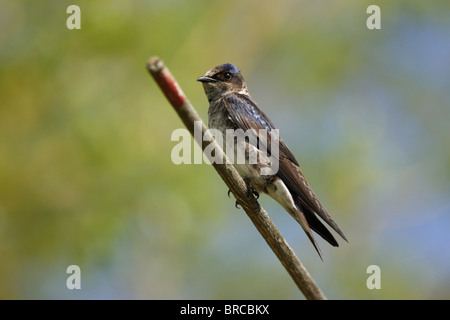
[{"x": 250, "y": 189}]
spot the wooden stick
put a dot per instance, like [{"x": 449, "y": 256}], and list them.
[{"x": 235, "y": 183}]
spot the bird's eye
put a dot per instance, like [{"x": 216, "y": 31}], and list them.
[{"x": 227, "y": 76}]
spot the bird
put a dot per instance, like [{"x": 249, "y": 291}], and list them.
[{"x": 232, "y": 108}]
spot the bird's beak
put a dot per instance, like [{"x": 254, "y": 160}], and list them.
[{"x": 206, "y": 79}]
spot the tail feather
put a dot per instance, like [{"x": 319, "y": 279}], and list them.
[
  {"x": 304, "y": 223},
  {"x": 326, "y": 217},
  {"x": 320, "y": 229}
]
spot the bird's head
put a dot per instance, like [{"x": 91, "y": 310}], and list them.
[{"x": 223, "y": 79}]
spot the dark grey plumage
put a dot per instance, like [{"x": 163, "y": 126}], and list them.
[{"x": 231, "y": 107}]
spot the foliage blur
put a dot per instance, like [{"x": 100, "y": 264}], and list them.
[{"x": 86, "y": 176}]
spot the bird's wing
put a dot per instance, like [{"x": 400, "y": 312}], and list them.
[{"x": 247, "y": 115}]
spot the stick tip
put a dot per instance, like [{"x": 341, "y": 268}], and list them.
[{"x": 154, "y": 65}]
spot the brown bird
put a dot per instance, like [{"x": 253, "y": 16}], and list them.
[{"x": 231, "y": 107}]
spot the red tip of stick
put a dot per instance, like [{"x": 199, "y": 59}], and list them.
[{"x": 166, "y": 82}]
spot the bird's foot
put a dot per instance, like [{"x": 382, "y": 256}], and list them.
[
  {"x": 237, "y": 205},
  {"x": 251, "y": 190}
]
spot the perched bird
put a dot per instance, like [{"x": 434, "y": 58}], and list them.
[{"x": 231, "y": 107}]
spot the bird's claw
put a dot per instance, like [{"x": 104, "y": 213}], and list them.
[
  {"x": 236, "y": 204},
  {"x": 250, "y": 189}
]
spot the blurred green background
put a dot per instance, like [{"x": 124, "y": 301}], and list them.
[{"x": 86, "y": 176}]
